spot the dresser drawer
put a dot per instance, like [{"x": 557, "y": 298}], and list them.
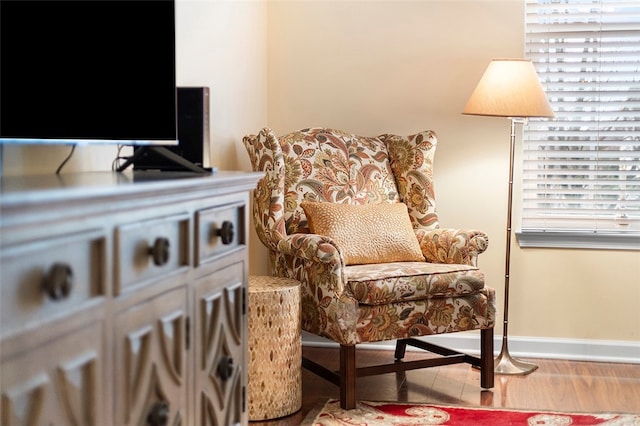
[
  {"x": 49, "y": 279},
  {"x": 150, "y": 249},
  {"x": 218, "y": 231}
]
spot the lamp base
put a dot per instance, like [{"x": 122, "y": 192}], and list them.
[{"x": 505, "y": 364}]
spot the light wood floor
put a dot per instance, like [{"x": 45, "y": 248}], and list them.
[{"x": 556, "y": 385}]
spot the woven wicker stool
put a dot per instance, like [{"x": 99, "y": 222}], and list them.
[{"x": 275, "y": 347}]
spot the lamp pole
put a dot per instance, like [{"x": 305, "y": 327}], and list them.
[{"x": 504, "y": 363}]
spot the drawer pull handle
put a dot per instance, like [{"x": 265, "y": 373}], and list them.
[
  {"x": 159, "y": 414},
  {"x": 225, "y": 232},
  {"x": 159, "y": 252},
  {"x": 225, "y": 368},
  {"x": 59, "y": 281}
]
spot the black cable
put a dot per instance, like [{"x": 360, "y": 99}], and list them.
[
  {"x": 73, "y": 148},
  {"x": 116, "y": 161}
]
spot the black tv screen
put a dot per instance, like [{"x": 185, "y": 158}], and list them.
[{"x": 88, "y": 71}]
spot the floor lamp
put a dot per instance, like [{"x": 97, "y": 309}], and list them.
[{"x": 509, "y": 88}]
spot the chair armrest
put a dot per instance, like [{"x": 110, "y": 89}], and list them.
[
  {"x": 317, "y": 262},
  {"x": 316, "y": 249},
  {"x": 460, "y": 246}
]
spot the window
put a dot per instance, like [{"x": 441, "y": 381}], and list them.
[{"x": 581, "y": 172}]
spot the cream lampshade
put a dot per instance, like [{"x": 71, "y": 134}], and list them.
[{"x": 509, "y": 88}]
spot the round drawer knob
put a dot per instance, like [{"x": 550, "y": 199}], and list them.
[
  {"x": 226, "y": 232},
  {"x": 225, "y": 368},
  {"x": 59, "y": 281},
  {"x": 159, "y": 251},
  {"x": 158, "y": 414}
]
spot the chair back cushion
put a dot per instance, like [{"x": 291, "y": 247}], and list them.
[{"x": 329, "y": 165}]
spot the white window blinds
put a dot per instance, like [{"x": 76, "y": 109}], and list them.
[{"x": 581, "y": 170}]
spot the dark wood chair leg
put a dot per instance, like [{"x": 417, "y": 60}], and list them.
[
  {"x": 347, "y": 377},
  {"x": 486, "y": 358},
  {"x": 401, "y": 348}
]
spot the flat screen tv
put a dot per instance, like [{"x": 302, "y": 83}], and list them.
[{"x": 88, "y": 72}]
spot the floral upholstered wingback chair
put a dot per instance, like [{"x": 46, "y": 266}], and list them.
[{"x": 353, "y": 218}]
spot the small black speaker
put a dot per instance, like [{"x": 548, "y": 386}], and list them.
[{"x": 193, "y": 134}]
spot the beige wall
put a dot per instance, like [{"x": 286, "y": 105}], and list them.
[
  {"x": 223, "y": 45},
  {"x": 388, "y": 66}
]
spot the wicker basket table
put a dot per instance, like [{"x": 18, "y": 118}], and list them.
[{"x": 275, "y": 347}]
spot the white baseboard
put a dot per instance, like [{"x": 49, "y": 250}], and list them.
[{"x": 526, "y": 347}]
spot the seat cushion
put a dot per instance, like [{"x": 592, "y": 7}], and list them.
[{"x": 406, "y": 281}]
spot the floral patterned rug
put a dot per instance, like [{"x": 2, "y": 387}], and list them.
[{"x": 369, "y": 413}]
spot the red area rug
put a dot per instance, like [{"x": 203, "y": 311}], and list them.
[{"x": 404, "y": 414}]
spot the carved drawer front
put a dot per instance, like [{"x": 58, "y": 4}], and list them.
[
  {"x": 59, "y": 383},
  {"x": 49, "y": 279},
  {"x": 151, "y": 362},
  {"x": 219, "y": 329},
  {"x": 219, "y": 230},
  {"x": 150, "y": 249}
]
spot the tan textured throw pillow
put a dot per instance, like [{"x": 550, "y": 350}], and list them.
[{"x": 370, "y": 233}]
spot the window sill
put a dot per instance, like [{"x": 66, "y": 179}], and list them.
[{"x": 578, "y": 240}]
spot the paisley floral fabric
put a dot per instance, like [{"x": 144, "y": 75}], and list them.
[
  {"x": 452, "y": 245},
  {"x": 406, "y": 281},
  {"x": 411, "y": 159},
  {"x": 333, "y": 166},
  {"x": 366, "y": 303}
]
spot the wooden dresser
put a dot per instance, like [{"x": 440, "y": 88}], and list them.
[{"x": 123, "y": 298}]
